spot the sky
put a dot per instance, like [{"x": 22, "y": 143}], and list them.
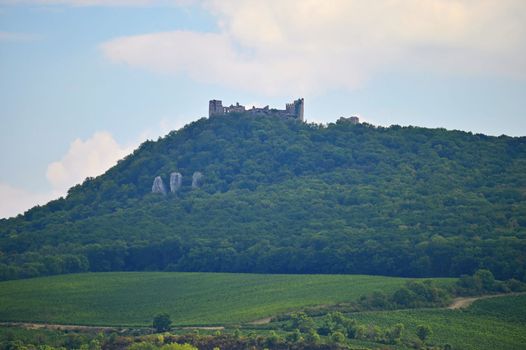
[{"x": 84, "y": 82}]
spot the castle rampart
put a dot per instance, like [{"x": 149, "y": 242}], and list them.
[{"x": 292, "y": 110}]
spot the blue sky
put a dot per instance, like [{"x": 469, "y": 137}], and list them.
[{"x": 83, "y": 82}]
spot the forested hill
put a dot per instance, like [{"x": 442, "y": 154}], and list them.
[{"x": 281, "y": 196}]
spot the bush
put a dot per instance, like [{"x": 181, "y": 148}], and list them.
[
  {"x": 162, "y": 322},
  {"x": 312, "y": 337},
  {"x": 515, "y": 285},
  {"x": 295, "y": 336},
  {"x": 175, "y": 346},
  {"x": 273, "y": 339},
  {"x": 338, "y": 338},
  {"x": 143, "y": 346},
  {"x": 423, "y": 332},
  {"x": 393, "y": 335},
  {"x": 301, "y": 321}
]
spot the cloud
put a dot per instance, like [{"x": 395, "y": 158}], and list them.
[
  {"x": 85, "y": 158},
  {"x": 106, "y": 3},
  {"x": 285, "y": 47},
  {"x": 205, "y": 57}
]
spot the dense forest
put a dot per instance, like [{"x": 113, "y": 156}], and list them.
[{"x": 280, "y": 196}]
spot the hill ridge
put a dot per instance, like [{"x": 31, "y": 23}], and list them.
[{"x": 281, "y": 196}]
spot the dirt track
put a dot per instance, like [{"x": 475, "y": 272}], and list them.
[
  {"x": 262, "y": 321},
  {"x": 69, "y": 327},
  {"x": 461, "y": 303}
]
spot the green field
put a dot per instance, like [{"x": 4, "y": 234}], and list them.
[
  {"x": 133, "y": 298},
  {"x": 496, "y": 323}
]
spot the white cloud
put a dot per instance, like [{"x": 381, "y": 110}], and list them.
[
  {"x": 205, "y": 57},
  {"x": 286, "y": 47},
  {"x": 107, "y": 3},
  {"x": 91, "y": 157},
  {"x": 84, "y": 158}
]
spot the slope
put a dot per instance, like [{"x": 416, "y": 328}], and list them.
[{"x": 286, "y": 197}]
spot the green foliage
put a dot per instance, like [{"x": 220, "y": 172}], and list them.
[
  {"x": 143, "y": 346},
  {"x": 488, "y": 324},
  {"x": 510, "y": 308},
  {"x": 338, "y": 338},
  {"x": 483, "y": 282},
  {"x": 131, "y": 298},
  {"x": 337, "y": 322},
  {"x": 495, "y": 323},
  {"x": 236, "y": 334},
  {"x": 273, "y": 340},
  {"x": 394, "y": 334},
  {"x": 413, "y": 294},
  {"x": 162, "y": 322},
  {"x": 295, "y": 336},
  {"x": 301, "y": 321},
  {"x": 287, "y": 197},
  {"x": 175, "y": 346},
  {"x": 423, "y": 332},
  {"x": 514, "y": 285},
  {"x": 312, "y": 337}
]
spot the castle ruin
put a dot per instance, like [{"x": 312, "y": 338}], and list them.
[{"x": 292, "y": 110}]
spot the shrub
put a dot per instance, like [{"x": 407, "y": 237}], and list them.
[
  {"x": 162, "y": 322},
  {"x": 338, "y": 337},
  {"x": 423, "y": 332}
]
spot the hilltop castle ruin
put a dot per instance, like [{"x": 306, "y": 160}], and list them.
[{"x": 292, "y": 110}]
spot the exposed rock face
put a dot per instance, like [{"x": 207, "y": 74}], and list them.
[
  {"x": 176, "y": 179},
  {"x": 197, "y": 179},
  {"x": 158, "y": 186}
]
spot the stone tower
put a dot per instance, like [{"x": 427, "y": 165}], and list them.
[
  {"x": 298, "y": 109},
  {"x": 215, "y": 107},
  {"x": 295, "y": 109}
]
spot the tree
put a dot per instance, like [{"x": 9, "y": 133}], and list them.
[
  {"x": 486, "y": 278},
  {"x": 338, "y": 338},
  {"x": 143, "y": 346},
  {"x": 175, "y": 346},
  {"x": 393, "y": 335},
  {"x": 301, "y": 321},
  {"x": 162, "y": 322},
  {"x": 312, "y": 337},
  {"x": 403, "y": 297},
  {"x": 295, "y": 336},
  {"x": 423, "y": 332},
  {"x": 273, "y": 339}
]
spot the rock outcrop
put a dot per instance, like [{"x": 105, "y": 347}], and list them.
[
  {"x": 197, "y": 179},
  {"x": 158, "y": 186},
  {"x": 176, "y": 180}
]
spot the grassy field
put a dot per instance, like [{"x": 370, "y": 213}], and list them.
[
  {"x": 497, "y": 323},
  {"x": 133, "y": 298}
]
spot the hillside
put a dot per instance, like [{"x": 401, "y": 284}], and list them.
[
  {"x": 133, "y": 298},
  {"x": 280, "y": 196}
]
